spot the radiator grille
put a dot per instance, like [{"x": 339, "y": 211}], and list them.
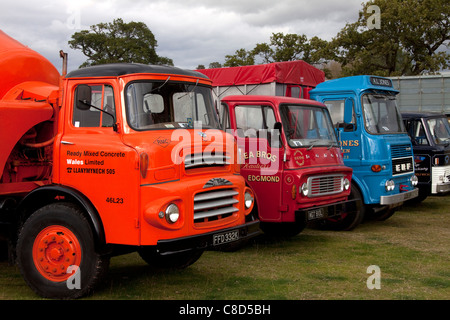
[
  {"x": 325, "y": 185},
  {"x": 401, "y": 151},
  {"x": 199, "y": 160},
  {"x": 215, "y": 205}
]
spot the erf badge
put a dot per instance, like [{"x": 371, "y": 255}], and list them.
[{"x": 299, "y": 158}]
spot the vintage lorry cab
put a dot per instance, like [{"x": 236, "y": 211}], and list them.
[
  {"x": 111, "y": 159},
  {"x": 292, "y": 162},
  {"x": 430, "y": 137},
  {"x": 374, "y": 141}
]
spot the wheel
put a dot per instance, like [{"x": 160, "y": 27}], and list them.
[
  {"x": 56, "y": 254},
  {"x": 349, "y": 220},
  {"x": 179, "y": 260},
  {"x": 383, "y": 214}
]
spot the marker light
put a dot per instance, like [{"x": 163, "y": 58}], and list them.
[
  {"x": 376, "y": 168},
  {"x": 414, "y": 181},
  {"x": 143, "y": 164}
]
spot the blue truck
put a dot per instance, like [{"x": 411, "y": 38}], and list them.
[{"x": 374, "y": 141}]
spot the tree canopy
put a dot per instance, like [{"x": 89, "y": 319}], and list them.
[
  {"x": 118, "y": 42},
  {"x": 411, "y": 37}
]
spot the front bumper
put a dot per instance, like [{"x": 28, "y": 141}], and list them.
[
  {"x": 443, "y": 188},
  {"x": 210, "y": 240},
  {"x": 399, "y": 198}
]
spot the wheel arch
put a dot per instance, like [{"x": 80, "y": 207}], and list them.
[{"x": 42, "y": 196}]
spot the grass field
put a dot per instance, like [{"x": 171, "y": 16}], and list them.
[{"x": 411, "y": 250}]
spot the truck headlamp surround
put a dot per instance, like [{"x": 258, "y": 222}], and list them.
[
  {"x": 305, "y": 189},
  {"x": 248, "y": 200},
  {"x": 414, "y": 181},
  {"x": 389, "y": 185},
  {"x": 346, "y": 184},
  {"x": 172, "y": 213}
]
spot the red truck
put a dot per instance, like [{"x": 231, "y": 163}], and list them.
[
  {"x": 292, "y": 161},
  {"x": 89, "y": 168}
]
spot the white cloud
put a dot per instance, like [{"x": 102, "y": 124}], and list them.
[{"x": 190, "y": 32}]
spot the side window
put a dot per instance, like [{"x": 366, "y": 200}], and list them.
[
  {"x": 419, "y": 136},
  {"x": 102, "y": 98},
  {"x": 224, "y": 116},
  {"x": 337, "y": 111},
  {"x": 255, "y": 121}
]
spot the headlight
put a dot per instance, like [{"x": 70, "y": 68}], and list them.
[
  {"x": 172, "y": 213},
  {"x": 248, "y": 200},
  {"x": 346, "y": 184},
  {"x": 414, "y": 180},
  {"x": 390, "y": 185},
  {"x": 305, "y": 190}
]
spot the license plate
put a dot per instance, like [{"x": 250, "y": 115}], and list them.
[
  {"x": 225, "y": 237},
  {"x": 316, "y": 214}
]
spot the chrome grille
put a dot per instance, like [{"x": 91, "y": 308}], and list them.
[
  {"x": 401, "y": 150},
  {"x": 197, "y": 160},
  {"x": 215, "y": 204},
  {"x": 325, "y": 185}
]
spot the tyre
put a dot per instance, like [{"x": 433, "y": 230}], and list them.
[
  {"x": 56, "y": 254},
  {"x": 179, "y": 260},
  {"x": 347, "y": 221}
]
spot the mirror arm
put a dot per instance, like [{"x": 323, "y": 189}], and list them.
[{"x": 106, "y": 112}]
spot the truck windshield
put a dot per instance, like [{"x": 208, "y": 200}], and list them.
[
  {"x": 440, "y": 130},
  {"x": 381, "y": 115},
  {"x": 307, "y": 126},
  {"x": 167, "y": 105}
]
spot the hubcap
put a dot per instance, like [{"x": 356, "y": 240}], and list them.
[{"x": 54, "y": 250}]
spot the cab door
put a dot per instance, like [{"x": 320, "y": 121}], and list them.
[
  {"x": 262, "y": 155},
  {"x": 95, "y": 162}
]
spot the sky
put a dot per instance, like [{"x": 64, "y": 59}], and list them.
[{"x": 190, "y": 32}]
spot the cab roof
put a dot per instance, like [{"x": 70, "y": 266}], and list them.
[
  {"x": 121, "y": 69},
  {"x": 273, "y": 99},
  {"x": 355, "y": 84},
  {"x": 423, "y": 114}
]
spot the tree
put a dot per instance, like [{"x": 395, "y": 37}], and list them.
[
  {"x": 410, "y": 40},
  {"x": 118, "y": 42},
  {"x": 242, "y": 57},
  {"x": 282, "y": 47}
]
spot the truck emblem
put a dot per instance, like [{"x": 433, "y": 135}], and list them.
[
  {"x": 203, "y": 135},
  {"x": 214, "y": 182}
]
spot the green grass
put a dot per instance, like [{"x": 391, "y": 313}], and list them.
[{"x": 411, "y": 249}]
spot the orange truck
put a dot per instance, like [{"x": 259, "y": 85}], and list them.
[{"x": 107, "y": 160}]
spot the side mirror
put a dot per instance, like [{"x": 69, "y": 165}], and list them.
[
  {"x": 349, "y": 127},
  {"x": 83, "y": 96},
  {"x": 277, "y": 126}
]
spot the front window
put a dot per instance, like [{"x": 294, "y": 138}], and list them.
[
  {"x": 165, "y": 105},
  {"x": 440, "y": 130},
  {"x": 381, "y": 115},
  {"x": 307, "y": 126}
]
